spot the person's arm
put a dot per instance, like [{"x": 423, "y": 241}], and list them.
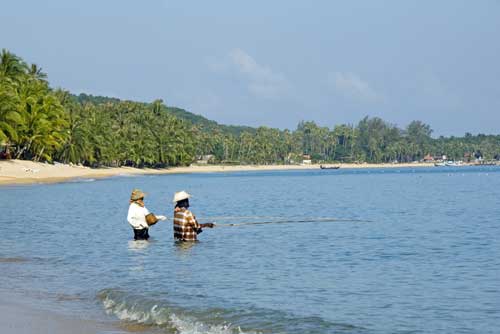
[
  {"x": 200, "y": 226},
  {"x": 152, "y": 219},
  {"x": 191, "y": 219}
]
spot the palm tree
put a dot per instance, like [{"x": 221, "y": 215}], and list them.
[
  {"x": 76, "y": 147},
  {"x": 36, "y": 73},
  {"x": 11, "y": 66},
  {"x": 9, "y": 115},
  {"x": 44, "y": 123}
]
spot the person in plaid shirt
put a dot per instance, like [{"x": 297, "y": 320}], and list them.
[{"x": 186, "y": 227}]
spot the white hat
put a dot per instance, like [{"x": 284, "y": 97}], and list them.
[{"x": 180, "y": 195}]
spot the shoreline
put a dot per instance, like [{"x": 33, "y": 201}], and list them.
[{"x": 15, "y": 172}]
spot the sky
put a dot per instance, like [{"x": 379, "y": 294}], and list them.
[{"x": 275, "y": 63}]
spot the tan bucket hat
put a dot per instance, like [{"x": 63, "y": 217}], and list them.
[
  {"x": 137, "y": 194},
  {"x": 180, "y": 195}
]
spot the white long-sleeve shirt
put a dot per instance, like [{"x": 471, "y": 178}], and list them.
[{"x": 137, "y": 216}]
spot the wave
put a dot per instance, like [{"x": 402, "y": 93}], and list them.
[
  {"x": 82, "y": 180},
  {"x": 127, "y": 175},
  {"x": 172, "y": 318}
]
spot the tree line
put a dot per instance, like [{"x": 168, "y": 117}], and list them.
[{"x": 44, "y": 124}]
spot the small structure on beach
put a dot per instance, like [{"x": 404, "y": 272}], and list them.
[
  {"x": 205, "y": 159},
  {"x": 428, "y": 158}
]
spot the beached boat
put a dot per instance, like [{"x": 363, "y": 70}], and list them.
[
  {"x": 449, "y": 164},
  {"x": 329, "y": 167},
  {"x": 453, "y": 163},
  {"x": 488, "y": 163}
]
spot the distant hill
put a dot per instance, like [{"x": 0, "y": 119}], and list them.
[
  {"x": 84, "y": 98},
  {"x": 202, "y": 122}
]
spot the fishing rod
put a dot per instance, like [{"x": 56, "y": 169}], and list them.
[{"x": 318, "y": 220}]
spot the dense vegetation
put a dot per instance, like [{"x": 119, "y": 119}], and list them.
[{"x": 43, "y": 124}]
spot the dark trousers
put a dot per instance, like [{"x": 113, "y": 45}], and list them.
[{"x": 141, "y": 234}]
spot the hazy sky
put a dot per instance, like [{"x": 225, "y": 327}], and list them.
[{"x": 275, "y": 62}]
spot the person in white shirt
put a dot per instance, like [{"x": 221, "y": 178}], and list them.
[{"x": 139, "y": 216}]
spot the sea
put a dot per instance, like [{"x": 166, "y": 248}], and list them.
[{"x": 397, "y": 250}]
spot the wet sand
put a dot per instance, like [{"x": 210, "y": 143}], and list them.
[
  {"x": 28, "y": 172},
  {"x": 22, "y": 318}
]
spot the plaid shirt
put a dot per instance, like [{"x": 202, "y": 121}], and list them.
[{"x": 185, "y": 225}]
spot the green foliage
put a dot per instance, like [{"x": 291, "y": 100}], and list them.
[
  {"x": 39, "y": 123},
  {"x": 201, "y": 123},
  {"x": 32, "y": 119}
]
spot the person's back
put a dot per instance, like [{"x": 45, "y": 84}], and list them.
[{"x": 186, "y": 227}]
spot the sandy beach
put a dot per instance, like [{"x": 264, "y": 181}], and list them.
[{"x": 26, "y": 172}]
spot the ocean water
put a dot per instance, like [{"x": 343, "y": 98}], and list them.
[{"x": 413, "y": 251}]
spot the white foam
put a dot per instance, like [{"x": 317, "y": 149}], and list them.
[
  {"x": 158, "y": 316},
  {"x": 82, "y": 180},
  {"x": 190, "y": 326},
  {"x": 123, "y": 313}
]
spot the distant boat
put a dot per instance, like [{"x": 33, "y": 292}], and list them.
[
  {"x": 453, "y": 163},
  {"x": 487, "y": 163},
  {"x": 329, "y": 167},
  {"x": 449, "y": 164}
]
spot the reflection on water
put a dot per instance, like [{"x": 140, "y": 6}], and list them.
[
  {"x": 138, "y": 252},
  {"x": 138, "y": 245},
  {"x": 184, "y": 247}
]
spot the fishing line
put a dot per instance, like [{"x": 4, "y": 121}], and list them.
[
  {"x": 261, "y": 217},
  {"x": 238, "y": 217},
  {"x": 319, "y": 220},
  {"x": 275, "y": 219}
]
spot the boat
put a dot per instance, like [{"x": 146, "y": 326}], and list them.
[
  {"x": 487, "y": 163},
  {"x": 329, "y": 167},
  {"x": 449, "y": 163},
  {"x": 453, "y": 163}
]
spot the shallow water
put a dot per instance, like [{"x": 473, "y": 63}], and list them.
[{"x": 424, "y": 258}]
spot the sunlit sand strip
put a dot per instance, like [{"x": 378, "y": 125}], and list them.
[{"x": 21, "y": 171}]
